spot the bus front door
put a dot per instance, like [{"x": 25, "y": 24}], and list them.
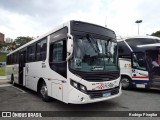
[
  {"x": 22, "y": 61},
  {"x": 140, "y": 76},
  {"x": 154, "y": 64}
]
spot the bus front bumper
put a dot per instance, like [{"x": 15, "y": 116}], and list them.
[{"x": 78, "y": 97}]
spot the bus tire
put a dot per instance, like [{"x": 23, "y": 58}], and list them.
[
  {"x": 126, "y": 83},
  {"x": 43, "y": 91},
  {"x": 12, "y": 80}
]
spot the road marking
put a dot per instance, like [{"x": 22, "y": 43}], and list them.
[
  {"x": 5, "y": 85},
  {"x": 22, "y": 91}
]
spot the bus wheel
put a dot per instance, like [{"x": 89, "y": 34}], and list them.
[
  {"x": 44, "y": 92},
  {"x": 125, "y": 81}
]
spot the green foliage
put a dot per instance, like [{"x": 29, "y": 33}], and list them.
[
  {"x": 2, "y": 44},
  {"x": 19, "y": 41},
  {"x": 157, "y": 34},
  {"x": 11, "y": 46},
  {"x": 3, "y": 57},
  {"x": 2, "y": 72}
]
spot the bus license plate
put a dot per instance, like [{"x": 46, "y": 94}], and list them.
[
  {"x": 140, "y": 85},
  {"x": 106, "y": 94}
]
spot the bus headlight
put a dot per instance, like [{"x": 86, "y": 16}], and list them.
[
  {"x": 78, "y": 86},
  {"x": 75, "y": 84},
  {"x": 82, "y": 88}
]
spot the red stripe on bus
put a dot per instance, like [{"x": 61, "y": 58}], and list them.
[{"x": 140, "y": 77}]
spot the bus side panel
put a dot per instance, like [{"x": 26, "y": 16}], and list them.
[
  {"x": 57, "y": 90},
  {"x": 9, "y": 71},
  {"x": 16, "y": 73},
  {"x": 125, "y": 67},
  {"x": 12, "y": 69},
  {"x": 140, "y": 78},
  {"x": 57, "y": 85},
  {"x": 33, "y": 73}
]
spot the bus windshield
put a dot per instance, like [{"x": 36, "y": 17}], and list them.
[{"x": 94, "y": 54}]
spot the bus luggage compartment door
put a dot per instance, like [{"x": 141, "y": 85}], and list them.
[{"x": 57, "y": 91}]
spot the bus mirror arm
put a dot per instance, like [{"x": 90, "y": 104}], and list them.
[{"x": 69, "y": 54}]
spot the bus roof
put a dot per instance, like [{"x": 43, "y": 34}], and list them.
[
  {"x": 122, "y": 38},
  {"x": 149, "y": 45}
]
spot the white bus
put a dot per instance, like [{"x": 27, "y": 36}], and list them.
[
  {"x": 139, "y": 62},
  {"x": 74, "y": 63}
]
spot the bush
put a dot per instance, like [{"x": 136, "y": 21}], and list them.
[
  {"x": 2, "y": 72},
  {"x": 3, "y": 57}
]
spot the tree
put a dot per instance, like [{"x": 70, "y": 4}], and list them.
[
  {"x": 157, "y": 34},
  {"x": 2, "y": 44},
  {"x": 19, "y": 41},
  {"x": 11, "y": 46}
]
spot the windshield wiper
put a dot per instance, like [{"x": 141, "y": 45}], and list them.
[
  {"x": 89, "y": 40},
  {"x": 107, "y": 51}
]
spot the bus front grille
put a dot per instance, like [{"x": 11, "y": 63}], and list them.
[{"x": 99, "y": 93}]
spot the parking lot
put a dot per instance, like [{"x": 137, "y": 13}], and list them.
[{"x": 16, "y": 98}]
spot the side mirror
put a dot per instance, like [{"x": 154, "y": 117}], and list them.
[{"x": 69, "y": 49}]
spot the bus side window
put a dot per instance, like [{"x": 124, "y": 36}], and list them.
[
  {"x": 41, "y": 48},
  {"x": 58, "y": 57},
  {"x": 138, "y": 61},
  {"x": 123, "y": 49},
  {"x": 12, "y": 60},
  {"x": 38, "y": 51},
  {"x": 57, "y": 52},
  {"x": 7, "y": 60},
  {"x": 31, "y": 53},
  {"x": 17, "y": 57}
]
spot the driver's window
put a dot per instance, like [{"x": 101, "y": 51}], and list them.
[
  {"x": 138, "y": 61},
  {"x": 58, "y": 51}
]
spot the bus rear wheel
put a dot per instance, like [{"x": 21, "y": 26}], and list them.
[
  {"x": 44, "y": 92},
  {"x": 125, "y": 81}
]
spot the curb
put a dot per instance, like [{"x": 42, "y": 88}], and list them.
[
  {"x": 4, "y": 81},
  {"x": 3, "y": 77}
]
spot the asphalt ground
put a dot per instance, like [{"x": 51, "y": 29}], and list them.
[
  {"x": 17, "y": 98},
  {"x": 4, "y": 81}
]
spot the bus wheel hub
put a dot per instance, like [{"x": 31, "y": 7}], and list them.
[{"x": 44, "y": 90}]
